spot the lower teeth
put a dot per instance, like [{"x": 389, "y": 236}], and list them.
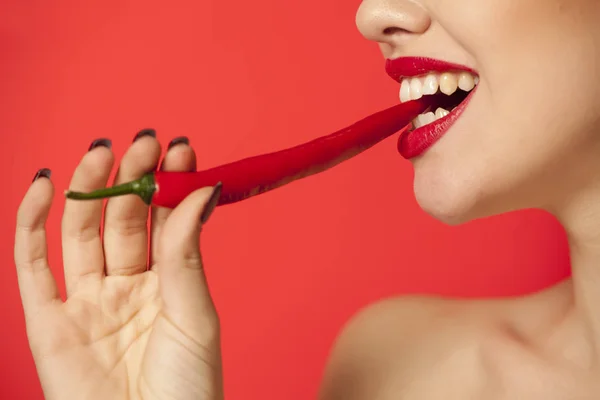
[{"x": 429, "y": 117}]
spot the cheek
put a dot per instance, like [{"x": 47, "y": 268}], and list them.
[
  {"x": 528, "y": 48},
  {"x": 500, "y": 159},
  {"x": 537, "y": 105}
]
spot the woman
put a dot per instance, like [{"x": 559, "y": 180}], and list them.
[{"x": 527, "y": 138}]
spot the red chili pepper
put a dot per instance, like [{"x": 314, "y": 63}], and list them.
[{"x": 255, "y": 175}]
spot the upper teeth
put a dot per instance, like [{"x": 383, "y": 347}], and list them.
[{"x": 447, "y": 83}]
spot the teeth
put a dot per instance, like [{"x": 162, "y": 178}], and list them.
[
  {"x": 425, "y": 119},
  {"x": 448, "y": 83},
  {"x": 405, "y": 91},
  {"x": 466, "y": 82},
  {"x": 429, "y": 117},
  {"x": 416, "y": 89},
  {"x": 441, "y": 113},
  {"x": 431, "y": 84}
]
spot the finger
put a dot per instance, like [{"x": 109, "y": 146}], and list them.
[
  {"x": 83, "y": 256},
  {"x": 126, "y": 218},
  {"x": 180, "y": 157},
  {"x": 183, "y": 288},
  {"x": 36, "y": 282}
]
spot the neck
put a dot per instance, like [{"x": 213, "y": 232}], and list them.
[{"x": 580, "y": 216}]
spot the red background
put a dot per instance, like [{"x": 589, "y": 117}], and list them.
[{"x": 240, "y": 78}]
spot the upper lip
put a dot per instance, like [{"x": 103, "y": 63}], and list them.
[{"x": 406, "y": 67}]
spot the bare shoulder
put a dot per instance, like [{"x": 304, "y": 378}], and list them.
[
  {"x": 396, "y": 348},
  {"x": 433, "y": 348}
]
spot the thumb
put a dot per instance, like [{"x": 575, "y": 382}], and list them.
[{"x": 183, "y": 286}]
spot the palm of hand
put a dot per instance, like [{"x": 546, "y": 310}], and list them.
[
  {"x": 102, "y": 330},
  {"x": 125, "y": 332}
]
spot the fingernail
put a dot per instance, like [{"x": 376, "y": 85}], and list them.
[
  {"x": 178, "y": 140},
  {"x": 101, "y": 143},
  {"x": 145, "y": 132},
  {"x": 42, "y": 173},
  {"x": 212, "y": 203}
]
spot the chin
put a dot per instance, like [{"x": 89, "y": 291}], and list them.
[
  {"x": 445, "y": 199},
  {"x": 443, "y": 210}
]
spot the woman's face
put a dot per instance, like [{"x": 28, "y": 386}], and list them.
[{"x": 529, "y": 136}]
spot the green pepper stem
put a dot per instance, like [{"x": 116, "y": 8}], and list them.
[{"x": 143, "y": 187}]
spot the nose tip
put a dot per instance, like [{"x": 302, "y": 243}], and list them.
[{"x": 391, "y": 22}]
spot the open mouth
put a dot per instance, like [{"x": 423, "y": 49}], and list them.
[{"x": 448, "y": 91}]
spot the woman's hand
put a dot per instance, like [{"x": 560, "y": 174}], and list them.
[{"x": 138, "y": 323}]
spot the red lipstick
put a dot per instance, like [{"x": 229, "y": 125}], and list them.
[{"x": 413, "y": 143}]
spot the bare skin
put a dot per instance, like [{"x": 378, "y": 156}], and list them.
[
  {"x": 519, "y": 145},
  {"x": 529, "y": 139},
  {"x": 430, "y": 349},
  {"x": 125, "y": 331}
]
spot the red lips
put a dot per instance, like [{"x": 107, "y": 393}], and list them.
[
  {"x": 414, "y": 143},
  {"x": 416, "y": 66}
]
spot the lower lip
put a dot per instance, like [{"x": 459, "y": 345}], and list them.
[{"x": 412, "y": 144}]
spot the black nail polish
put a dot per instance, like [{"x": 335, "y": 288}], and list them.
[
  {"x": 42, "y": 173},
  {"x": 178, "y": 140},
  {"x": 212, "y": 203},
  {"x": 101, "y": 143},
  {"x": 145, "y": 132}
]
